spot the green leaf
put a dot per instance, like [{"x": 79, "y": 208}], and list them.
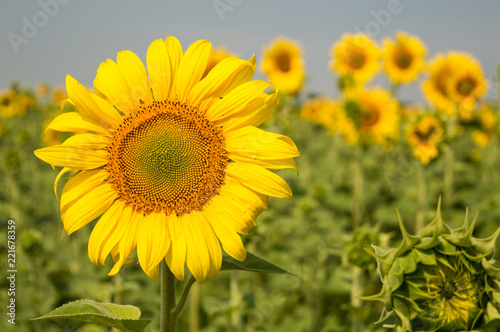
[
  {"x": 252, "y": 264},
  {"x": 122, "y": 317}
]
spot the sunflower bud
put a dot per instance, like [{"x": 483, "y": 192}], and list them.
[{"x": 440, "y": 279}]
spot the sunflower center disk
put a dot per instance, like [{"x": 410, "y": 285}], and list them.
[{"x": 168, "y": 158}]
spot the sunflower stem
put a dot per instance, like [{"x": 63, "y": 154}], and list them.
[
  {"x": 358, "y": 187},
  {"x": 168, "y": 317},
  {"x": 448, "y": 176},
  {"x": 422, "y": 199}
]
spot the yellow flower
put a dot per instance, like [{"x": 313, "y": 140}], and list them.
[
  {"x": 480, "y": 138},
  {"x": 42, "y": 89},
  {"x": 455, "y": 83},
  {"x": 424, "y": 138},
  {"x": 13, "y": 103},
  {"x": 58, "y": 95},
  {"x": 172, "y": 164},
  {"x": 370, "y": 116},
  {"x": 488, "y": 118},
  {"x": 283, "y": 64},
  {"x": 216, "y": 55},
  {"x": 323, "y": 111},
  {"x": 403, "y": 58},
  {"x": 356, "y": 56}
]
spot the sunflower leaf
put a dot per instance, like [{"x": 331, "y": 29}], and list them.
[
  {"x": 252, "y": 264},
  {"x": 122, "y": 317}
]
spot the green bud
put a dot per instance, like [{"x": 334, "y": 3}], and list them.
[{"x": 440, "y": 280}]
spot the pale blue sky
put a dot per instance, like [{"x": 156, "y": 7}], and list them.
[{"x": 78, "y": 35}]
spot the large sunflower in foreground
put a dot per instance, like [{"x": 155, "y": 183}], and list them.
[
  {"x": 355, "y": 56},
  {"x": 403, "y": 58},
  {"x": 171, "y": 163},
  {"x": 284, "y": 66}
]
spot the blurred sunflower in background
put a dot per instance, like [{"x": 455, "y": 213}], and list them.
[
  {"x": 323, "y": 111},
  {"x": 456, "y": 81},
  {"x": 424, "y": 137},
  {"x": 13, "y": 102},
  {"x": 284, "y": 65},
  {"x": 487, "y": 118},
  {"x": 370, "y": 116},
  {"x": 170, "y": 165},
  {"x": 355, "y": 58},
  {"x": 403, "y": 58}
]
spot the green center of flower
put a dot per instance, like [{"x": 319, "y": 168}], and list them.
[{"x": 166, "y": 157}]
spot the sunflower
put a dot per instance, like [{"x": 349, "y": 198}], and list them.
[
  {"x": 323, "y": 111},
  {"x": 424, "y": 137},
  {"x": 355, "y": 56},
  {"x": 284, "y": 66},
  {"x": 403, "y": 58},
  {"x": 466, "y": 85},
  {"x": 15, "y": 103},
  {"x": 370, "y": 117},
  {"x": 488, "y": 120},
  {"x": 170, "y": 165},
  {"x": 455, "y": 83}
]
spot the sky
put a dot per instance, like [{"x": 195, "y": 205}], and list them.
[{"x": 44, "y": 40}]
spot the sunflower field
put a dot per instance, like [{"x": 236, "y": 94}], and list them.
[{"x": 374, "y": 213}]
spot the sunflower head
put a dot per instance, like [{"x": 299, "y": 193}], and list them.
[
  {"x": 440, "y": 280},
  {"x": 355, "y": 56},
  {"x": 456, "y": 81},
  {"x": 15, "y": 103},
  {"x": 424, "y": 137},
  {"x": 323, "y": 111},
  {"x": 370, "y": 117},
  {"x": 284, "y": 66},
  {"x": 403, "y": 58},
  {"x": 170, "y": 161}
]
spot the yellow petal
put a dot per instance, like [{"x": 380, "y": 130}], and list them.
[
  {"x": 269, "y": 164},
  {"x": 227, "y": 74},
  {"x": 135, "y": 74},
  {"x": 213, "y": 245},
  {"x": 112, "y": 83},
  {"x": 197, "y": 256},
  {"x": 236, "y": 100},
  {"x": 74, "y": 122},
  {"x": 153, "y": 240},
  {"x": 74, "y": 157},
  {"x": 259, "y": 179},
  {"x": 79, "y": 185},
  {"x": 174, "y": 50},
  {"x": 91, "y": 141},
  {"x": 99, "y": 244},
  {"x": 191, "y": 68},
  {"x": 109, "y": 112},
  {"x": 159, "y": 70},
  {"x": 254, "y": 114},
  {"x": 258, "y": 144},
  {"x": 224, "y": 229},
  {"x": 82, "y": 99},
  {"x": 129, "y": 241},
  {"x": 176, "y": 256},
  {"x": 153, "y": 273},
  {"x": 58, "y": 178},
  {"x": 88, "y": 207}
]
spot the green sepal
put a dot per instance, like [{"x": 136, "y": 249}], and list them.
[
  {"x": 383, "y": 296},
  {"x": 122, "y": 317},
  {"x": 251, "y": 264},
  {"x": 396, "y": 274},
  {"x": 437, "y": 226},
  {"x": 486, "y": 246},
  {"x": 492, "y": 267},
  {"x": 426, "y": 257},
  {"x": 462, "y": 236},
  {"x": 385, "y": 258},
  {"x": 491, "y": 313},
  {"x": 408, "y": 262},
  {"x": 409, "y": 240}
]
